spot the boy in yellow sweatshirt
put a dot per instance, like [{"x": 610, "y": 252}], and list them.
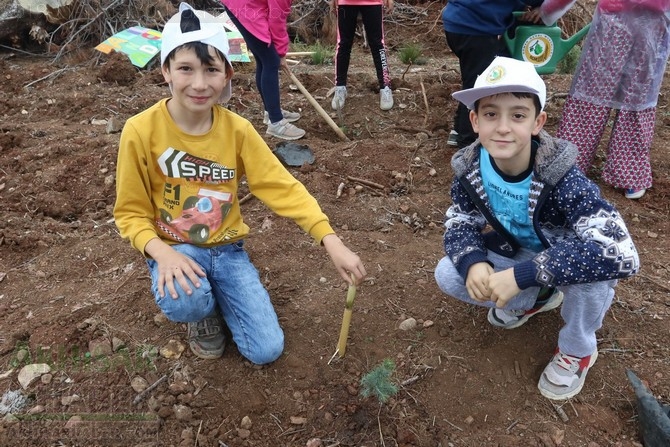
[{"x": 178, "y": 172}]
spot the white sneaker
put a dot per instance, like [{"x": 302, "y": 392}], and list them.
[
  {"x": 285, "y": 130},
  {"x": 338, "y": 97},
  {"x": 564, "y": 376},
  {"x": 385, "y": 98},
  {"x": 291, "y": 117},
  {"x": 634, "y": 193},
  {"x": 510, "y": 319},
  {"x": 453, "y": 138}
]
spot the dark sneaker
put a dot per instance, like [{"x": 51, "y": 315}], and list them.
[
  {"x": 291, "y": 117},
  {"x": 564, "y": 376},
  {"x": 453, "y": 138},
  {"x": 510, "y": 319},
  {"x": 206, "y": 338}
]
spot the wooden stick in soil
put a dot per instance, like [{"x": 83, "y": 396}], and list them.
[
  {"x": 561, "y": 413},
  {"x": 299, "y": 53},
  {"x": 149, "y": 389},
  {"x": 425, "y": 101},
  {"x": 365, "y": 182},
  {"x": 346, "y": 320},
  {"x": 246, "y": 198},
  {"x": 318, "y": 108}
]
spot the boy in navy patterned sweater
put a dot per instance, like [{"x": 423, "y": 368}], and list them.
[{"x": 527, "y": 230}]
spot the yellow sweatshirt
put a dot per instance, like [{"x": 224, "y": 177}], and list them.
[{"x": 183, "y": 188}]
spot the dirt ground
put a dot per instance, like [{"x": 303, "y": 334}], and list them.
[{"x": 75, "y": 296}]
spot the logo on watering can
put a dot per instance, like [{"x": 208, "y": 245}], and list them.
[{"x": 538, "y": 49}]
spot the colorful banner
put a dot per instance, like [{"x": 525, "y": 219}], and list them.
[
  {"x": 238, "y": 47},
  {"x": 142, "y": 44},
  {"x": 139, "y": 43}
]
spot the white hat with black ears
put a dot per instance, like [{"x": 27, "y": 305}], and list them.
[{"x": 193, "y": 25}]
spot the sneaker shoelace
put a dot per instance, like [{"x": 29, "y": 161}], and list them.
[
  {"x": 515, "y": 313},
  {"x": 206, "y": 327},
  {"x": 567, "y": 362},
  {"x": 538, "y": 304},
  {"x": 287, "y": 127},
  {"x": 279, "y": 126}
]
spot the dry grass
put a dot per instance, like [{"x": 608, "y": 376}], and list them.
[{"x": 87, "y": 23}]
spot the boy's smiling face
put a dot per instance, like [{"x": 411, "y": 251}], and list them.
[
  {"x": 196, "y": 86},
  {"x": 505, "y": 125}
]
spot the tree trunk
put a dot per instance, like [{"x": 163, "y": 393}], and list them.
[{"x": 20, "y": 19}]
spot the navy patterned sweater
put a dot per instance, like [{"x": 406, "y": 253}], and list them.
[{"x": 585, "y": 237}]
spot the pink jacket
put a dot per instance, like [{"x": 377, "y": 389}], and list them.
[
  {"x": 552, "y": 10},
  {"x": 265, "y": 19},
  {"x": 623, "y": 5},
  {"x": 359, "y": 2}
]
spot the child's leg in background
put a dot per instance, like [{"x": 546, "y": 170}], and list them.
[
  {"x": 373, "y": 21},
  {"x": 347, "y": 17},
  {"x": 451, "y": 282},
  {"x": 474, "y": 53},
  {"x": 267, "y": 71},
  {"x": 583, "y": 310},
  {"x": 583, "y": 124},
  {"x": 595, "y": 86},
  {"x": 628, "y": 163}
]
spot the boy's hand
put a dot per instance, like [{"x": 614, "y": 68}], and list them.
[
  {"x": 477, "y": 281},
  {"x": 333, "y": 6},
  {"x": 388, "y": 4},
  {"x": 532, "y": 15},
  {"x": 503, "y": 287},
  {"x": 345, "y": 260},
  {"x": 172, "y": 266}
]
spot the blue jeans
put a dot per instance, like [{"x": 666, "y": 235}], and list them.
[{"x": 232, "y": 284}]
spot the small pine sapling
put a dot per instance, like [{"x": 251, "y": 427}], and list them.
[
  {"x": 378, "y": 382},
  {"x": 409, "y": 54}
]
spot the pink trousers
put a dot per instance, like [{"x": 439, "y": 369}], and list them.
[{"x": 627, "y": 162}]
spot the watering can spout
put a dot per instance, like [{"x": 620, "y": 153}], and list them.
[{"x": 567, "y": 44}]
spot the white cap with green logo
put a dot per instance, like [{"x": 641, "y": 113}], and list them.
[{"x": 504, "y": 75}]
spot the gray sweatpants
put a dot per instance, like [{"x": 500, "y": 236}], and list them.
[{"x": 583, "y": 310}]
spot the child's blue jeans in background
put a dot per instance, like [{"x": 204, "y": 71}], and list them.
[
  {"x": 583, "y": 309},
  {"x": 233, "y": 284}
]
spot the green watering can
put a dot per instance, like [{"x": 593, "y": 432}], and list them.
[{"x": 541, "y": 45}]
